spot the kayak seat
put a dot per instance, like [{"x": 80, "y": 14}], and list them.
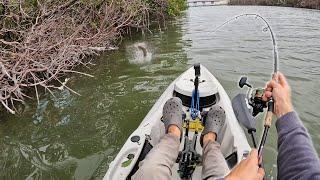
[{"x": 205, "y": 102}]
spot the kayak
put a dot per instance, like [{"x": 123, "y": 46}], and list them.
[{"x": 234, "y": 144}]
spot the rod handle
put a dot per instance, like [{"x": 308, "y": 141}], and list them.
[{"x": 268, "y": 118}]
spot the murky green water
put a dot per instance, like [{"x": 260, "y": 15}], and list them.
[{"x": 67, "y": 136}]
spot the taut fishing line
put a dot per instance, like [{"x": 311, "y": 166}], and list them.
[
  {"x": 272, "y": 34},
  {"x": 274, "y": 42}
]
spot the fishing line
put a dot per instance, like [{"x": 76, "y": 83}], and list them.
[
  {"x": 274, "y": 42},
  {"x": 272, "y": 34}
]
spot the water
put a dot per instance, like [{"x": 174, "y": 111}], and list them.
[{"x": 67, "y": 136}]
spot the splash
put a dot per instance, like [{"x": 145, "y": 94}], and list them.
[{"x": 139, "y": 53}]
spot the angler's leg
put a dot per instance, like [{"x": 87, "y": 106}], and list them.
[
  {"x": 158, "y": 163},
  {"x": 214, "y": 165}
]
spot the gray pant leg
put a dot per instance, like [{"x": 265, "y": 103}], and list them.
[
  {"x": 158, "y": 163},
  {"x": 214, "y": 166}
]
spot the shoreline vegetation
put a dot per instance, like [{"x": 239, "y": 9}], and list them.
[
  {"x": 43, "y": 41},
  {"x": 310, "y": 4}
]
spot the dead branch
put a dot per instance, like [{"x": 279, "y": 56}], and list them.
[{"x": 39, "y": 44}]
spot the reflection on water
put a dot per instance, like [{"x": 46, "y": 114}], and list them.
[
  {"x": 38, "y": 116},
  {"x": 67, "y": 136}
]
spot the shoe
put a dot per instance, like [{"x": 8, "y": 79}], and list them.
[
  {"x": 215, "y": 120},
  {"x": 172, "y": 113}
]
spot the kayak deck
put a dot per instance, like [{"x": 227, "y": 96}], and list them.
[{"x": 234, "y": 144}]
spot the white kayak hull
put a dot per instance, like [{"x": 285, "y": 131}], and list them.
[{"x": 232, "y": 137}]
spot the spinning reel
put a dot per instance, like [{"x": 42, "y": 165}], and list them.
[{"x": 254, "y": 96}]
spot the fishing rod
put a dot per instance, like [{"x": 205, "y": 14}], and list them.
[
  {"x": 274, "y": 42},
  {"x": 257, "y": 104}
]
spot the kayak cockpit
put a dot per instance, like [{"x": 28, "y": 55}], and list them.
[{"x": 234, "y": 145}]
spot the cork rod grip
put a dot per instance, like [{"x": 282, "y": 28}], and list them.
[{"x": 268, "y": 118}]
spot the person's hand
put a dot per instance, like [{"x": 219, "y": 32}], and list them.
[
  {"x": 247, "y": 169},
  {"x": 280, "y": 90}
]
